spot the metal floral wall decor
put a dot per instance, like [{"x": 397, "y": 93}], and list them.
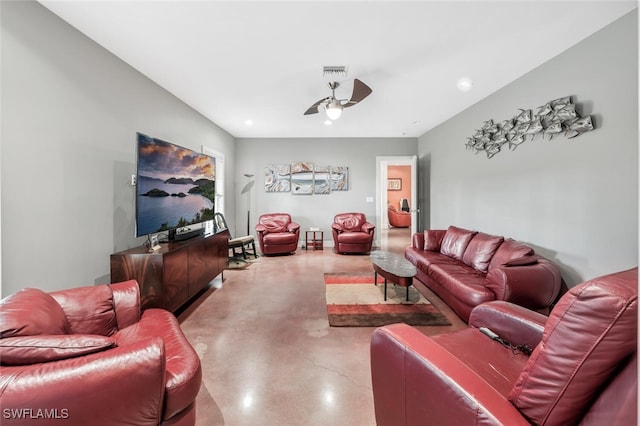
[{"x": 551, "y": 119}]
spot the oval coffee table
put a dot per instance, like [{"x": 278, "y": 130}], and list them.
[{"x": 393, "y": 267}]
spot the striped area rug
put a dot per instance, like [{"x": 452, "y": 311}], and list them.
[{"x": 354, "y": 301}]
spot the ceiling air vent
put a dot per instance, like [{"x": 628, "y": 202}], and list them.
[{"x": 334, "y": 71}]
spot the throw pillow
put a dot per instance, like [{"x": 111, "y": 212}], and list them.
[
  {"x": 510, "y": 249},
  {"x": 455, "y": 242},
  {"x": 522, "y": 261},
  {"x": 31, "y": 312},
  {"x": 480, "y": 250},
  {"x": 26, "y": 350}
]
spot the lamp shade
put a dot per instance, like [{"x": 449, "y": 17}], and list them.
[{"x": 334, "y": 109}]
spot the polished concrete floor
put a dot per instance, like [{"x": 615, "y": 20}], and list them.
[{"x": 268, "y": 354}]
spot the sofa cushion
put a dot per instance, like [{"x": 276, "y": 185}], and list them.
[
  {"x": 424, "y": 259},
  {"x": 350, "y": 221},
  {"x": 89, "y": 309},
  {"x": 591, "y": 330},
  {"x": 31, "y": 312},
  {"x": 455, "y": 242},
  {"x": 433, "y": 239},
  {"x": 275, "y": 222},
  {"x": 26, "y": 350},
  {"x": 463, "y": 282},
  {"x": 480, "y": 250},
  {"x": 508, "y": 250}
]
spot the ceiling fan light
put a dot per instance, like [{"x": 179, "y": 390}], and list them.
[{"x": 333, "y": 109}]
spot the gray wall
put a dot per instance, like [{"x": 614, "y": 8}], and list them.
[
  {"x": 70, "y": 112},
  {"x": 359, "y": 154},
  {"x": 575, "y": 200}
]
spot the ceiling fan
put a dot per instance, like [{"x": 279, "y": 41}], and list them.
[{"x": 333, "y": 106}]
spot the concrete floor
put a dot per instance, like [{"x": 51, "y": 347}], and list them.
[{"x": 268, "y": 354}]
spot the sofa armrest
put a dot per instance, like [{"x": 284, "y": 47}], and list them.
[
  {"x": 126, "y": 301},
  {"x": 417, "y": 241},
  {"x": 513, "y": 323},
  {"x": 293, "y": 227},
  {"x": 416, "y": 381},
  {"x": 368, "y": 227},
  {"x": 337, "y": 227},
  {"x": 123, "y": 385},
  {"x": 534, "y": 286},
  {"x": 260, "y": 229}
]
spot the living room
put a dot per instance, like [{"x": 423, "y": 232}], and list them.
[{"x": 71, "y": 110}]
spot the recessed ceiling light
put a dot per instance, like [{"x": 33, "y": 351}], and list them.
[
  {"x": 464, "y": 84},
  {"x": 248, "y": 123},
  {"x": 415, "y": 123},
  {"x": 328, "y": 122}
]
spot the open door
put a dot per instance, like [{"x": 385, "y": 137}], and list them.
[{"x": 382, "y": 201}]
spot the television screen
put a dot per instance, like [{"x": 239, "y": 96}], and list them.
[{"x": 175, "y": 186}]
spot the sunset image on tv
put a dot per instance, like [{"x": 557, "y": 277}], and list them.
[{"x": 175, "y": 186}]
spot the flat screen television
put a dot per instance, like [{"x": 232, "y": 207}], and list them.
[{"x": 175, "y": 187}]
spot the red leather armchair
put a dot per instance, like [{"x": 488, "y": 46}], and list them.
[
  {"x": 88, "y": 356},
  {"x": 398, "y": 219},
  {"x": 352, "y": 233},
  {"x": 277, "y": 234},
  {"x": 583, "y": 368}
]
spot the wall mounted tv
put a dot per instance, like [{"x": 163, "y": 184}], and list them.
[{"x": 175, "y": 187}]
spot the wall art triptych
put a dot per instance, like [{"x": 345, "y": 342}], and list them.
[{"x": 305, "y": 178}]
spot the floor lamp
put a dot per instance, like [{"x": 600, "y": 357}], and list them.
[{"x": 247, "y": 190}]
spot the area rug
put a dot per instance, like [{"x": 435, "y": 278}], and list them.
[{"x": 354, "y": 301}]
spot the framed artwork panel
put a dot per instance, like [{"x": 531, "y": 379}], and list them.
[{"x": 394, "y": 184}]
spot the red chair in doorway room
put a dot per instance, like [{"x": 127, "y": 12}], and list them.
[{"x": 398, "y": 219}]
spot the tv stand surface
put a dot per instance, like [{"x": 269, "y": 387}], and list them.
[
  {"x": 176, "y": 272},
  {"x": 183, "y": 236}
]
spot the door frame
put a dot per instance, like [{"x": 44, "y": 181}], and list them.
[{"x": 382, "y": 163}]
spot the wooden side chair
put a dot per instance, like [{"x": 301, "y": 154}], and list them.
[{"x": 242, "y": 243}]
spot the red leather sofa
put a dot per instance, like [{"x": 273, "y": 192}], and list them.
[
  {"x": 352, "y": 233},
  {"x": 467, "y": 268},
  {"x": 582, "y": 371},
  {"x": 398, "y": 219},
  {"x": 89, "y": 356},
  {"x": 277, "y": 234}
]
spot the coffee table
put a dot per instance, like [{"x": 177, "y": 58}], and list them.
[{"x": 393, "y": 267}]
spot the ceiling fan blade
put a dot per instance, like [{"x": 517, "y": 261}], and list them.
[
  {"x": 313, "y": 109},
  {"x": 360, "y": 91}
]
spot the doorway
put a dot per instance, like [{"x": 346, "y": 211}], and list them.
[{"x": 396, "y": 180}]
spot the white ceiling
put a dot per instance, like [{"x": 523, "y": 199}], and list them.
[{"x": 262, "y": 61}]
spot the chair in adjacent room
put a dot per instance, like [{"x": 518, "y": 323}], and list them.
[
  {"x": 277, "y": 233},
  {"x": 242, "y": 243},
  {"x": 352, "y": 233},
  {"x": 398, "y": 219}
]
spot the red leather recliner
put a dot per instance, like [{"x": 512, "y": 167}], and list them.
[
  {"x": 352, "y": 233},
  {"x": 277, "y": 234},
  {"x": 582, "y": 371},
  {"x": 398, "y": 219},
  {"x": 88, "y": 356}
]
